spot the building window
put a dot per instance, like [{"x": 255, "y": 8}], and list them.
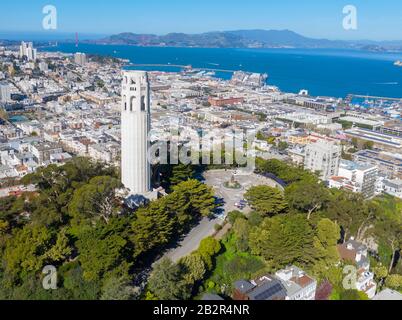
[
  {"x": 131, "y": 103},
  {"x": 142, "y": 103},
  {"x": 125, "y": 102}
]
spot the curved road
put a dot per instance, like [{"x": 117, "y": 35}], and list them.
[{"x": 206, "y": 228}]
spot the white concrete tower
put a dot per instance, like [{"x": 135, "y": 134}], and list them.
[{"x": 135, "y": 128}]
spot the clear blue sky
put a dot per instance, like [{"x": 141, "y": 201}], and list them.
[{"x": 378, "y": 20}]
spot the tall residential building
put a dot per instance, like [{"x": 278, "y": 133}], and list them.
[
  {"x": 27, "y": 50},
  {"x": 135, "y": 128},
  {"x": 23, "y": 48},
  {"x": 80, "y": 58},
  {"x": 43, "y": 66},
  {"x": 5, "y": 94},
  {"x": 362, "y": 176},
  {"x": 323, "y": 157}
]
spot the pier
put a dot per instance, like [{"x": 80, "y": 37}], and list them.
[
  {"x": 351, "y": 96},
  {"x": 185, "y": 68}
]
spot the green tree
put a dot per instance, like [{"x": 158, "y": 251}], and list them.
[
  {"x": 167, "y": 282},
  {"x": 307, "y": 196},
  {"x": 353, "y": 295},
  {"x": 261, "y": 136},
  {"x": 61, "y": 250},
  {"x": 73, "y": 280},
  {"x": 381, "y": 273},
  {"x": 394, "y": 281},
  {"x": 325, "y": 243},
  {"x": 284, "y": 240},
  {"x": 241, "y": 230},
  {"x": 103, "y": 249},
  {"x": 181, "y": 173},
  {"x": 200, "y": 197},
  {"x": 282, "y": 146},
  {"x": 57, "y": 183},
  {"x": 3, "y": 114},
  {"x": 115, "y": 288},
  {"x": 194, "y": 268},
  {"x": 6, "y": 205},
  {"x": 46, "y": 215},
  {"x": 26, "y": 251},
  {"x": 95, "y": 199},
  {"x": 177, "y": 203},
  {"x": 369, "y": 145},
  {"x": 209, "y": 247},
  {"x": 355, "y": 143},
  {"x": 287, "y": 173},
  {"x": 4, "y": 227},
  {"x": 266, "y": 200},
  {"x": 351, "y": 212},
  {"x": 153, "y": 226},
  {"x": 255, "y": 219},
  {"x": 390, "y": 231},
  {"x": 234, "y": 215},
  {"x": 149, "y": 296}
]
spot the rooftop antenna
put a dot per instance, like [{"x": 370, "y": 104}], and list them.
[{"x": 76, "y": 39}]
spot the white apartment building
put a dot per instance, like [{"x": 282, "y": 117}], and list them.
[
  {"x": 27, "y": 50},
  {"x": 323, "y": 157},
  {"x": 358, "y": 177},
  {"x": 43, "y": 66},
  {"x": 5, "y": 92},
  {"x": 80, "y": 58}
]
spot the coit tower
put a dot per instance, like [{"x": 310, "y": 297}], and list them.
[{"x": 135, "y": 128}]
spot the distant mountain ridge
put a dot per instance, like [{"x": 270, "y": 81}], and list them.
[{"x": 243, "y": 39}]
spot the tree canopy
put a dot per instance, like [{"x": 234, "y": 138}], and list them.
[
  {"x": 77, "y": 222},
  {"x": 284, "y": 240},
  {"x": 266, "y": 200}
]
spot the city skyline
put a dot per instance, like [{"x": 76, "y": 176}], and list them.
[
  {"x": 161, "y": 17},
  {"x": 218, "y": 152},
  {"x": 80, "y": 200}
]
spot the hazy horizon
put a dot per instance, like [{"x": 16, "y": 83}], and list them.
[
  {"x": 42, "y": 35},
  {"x": 376, "y": 21}
]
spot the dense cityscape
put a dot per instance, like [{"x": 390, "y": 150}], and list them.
[{"x": 78, "y": 192}]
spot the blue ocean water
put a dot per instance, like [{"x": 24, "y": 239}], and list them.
[{"x": 324, "y": 72}]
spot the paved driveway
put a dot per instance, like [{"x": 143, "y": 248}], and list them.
[
  {"x": 191, "y": 242},
  {"x": 206, "y": 228},
  {"x": 217, "y": 178}
]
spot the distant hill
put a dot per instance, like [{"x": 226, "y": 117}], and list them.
[{"x": 242, "y": 39}]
